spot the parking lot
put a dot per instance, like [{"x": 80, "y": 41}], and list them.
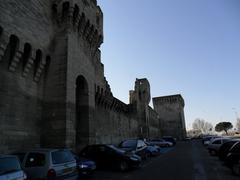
[{"x": 188, "y": 160}]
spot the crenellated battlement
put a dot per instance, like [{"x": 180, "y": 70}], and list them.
[
  {"x": 83, "y": 17},
  {"x": 169, "y": 99},
  {"x": 22, "y": 54}
]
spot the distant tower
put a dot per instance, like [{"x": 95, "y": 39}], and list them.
[
  {"x": 171, "y": 113},
  {"x": 140, "y": 98}
]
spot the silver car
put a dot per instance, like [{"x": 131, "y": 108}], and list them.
[
  {"x": 215, "y": 144},
  {"x": 49, "y": 164},
  {"x": 160, "y": 143},
  {"x": 10, "y": 168}
]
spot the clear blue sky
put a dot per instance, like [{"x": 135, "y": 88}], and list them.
[{"x": 190, "y": 47}]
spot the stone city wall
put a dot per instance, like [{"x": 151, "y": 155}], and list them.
[{"x": 53, "y": 91}]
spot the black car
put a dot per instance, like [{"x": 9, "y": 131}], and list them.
[
  {"x": 223, "y": 150},
  {"x": 136, "y": 146},
  {"x": 233, "y": 155},
  {"x": 109, "y": 156},
  {"x": 170, "y": 139}
]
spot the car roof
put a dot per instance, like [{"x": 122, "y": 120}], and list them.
[
  {"x": 7, "y": 156},
  {"x": 133, "y": 139},
  {"x": 95, "y": 145},
  {"x": 220, "y": 138}
]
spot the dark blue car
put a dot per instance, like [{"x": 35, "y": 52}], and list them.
[{"x": 85, "y": 166}]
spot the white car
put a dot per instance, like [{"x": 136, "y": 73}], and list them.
[
  {"x": 10, "y": 168},
  {"x": 160, "y": 143},
  {"x": 49, "y": 164},
  {"x": 208, "y": 139},
  {"x": 215, "y": 144}
]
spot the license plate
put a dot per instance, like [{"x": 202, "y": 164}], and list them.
[{"x": 67, "y": 170}]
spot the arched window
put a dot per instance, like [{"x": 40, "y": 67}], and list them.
[
  {"x": 26, "y": 53},
  {"x": 48, "y": 60},
  {"x": 81, "y": 21},
  {"x": 75, "y": 14},
  {"x": 82, "y": 111},
  {"x": 65, "y": 10},
  {"x": 11, "y": 48},
  {"x": 98, "y": 89},
  {"x": 54, "y": 9},
  {"x": 1, "y": 31},
  {"x": 86, "y": 27},
  {"x": 90, "y": 32},
  {"x": 37, "y": 60}
]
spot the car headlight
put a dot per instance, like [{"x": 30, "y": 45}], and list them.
[
  {"x": 83, "y": 166},
  {"x": 24, "y": 176}
]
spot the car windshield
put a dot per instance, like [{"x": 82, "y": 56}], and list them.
[
  {"x": 35, "y": 159},
  {"x": 62, "y": 156},
  {"x": 116, "y": 149},
  {"x": 9, "y": 164},
  {"x": 128, "y": 143}
]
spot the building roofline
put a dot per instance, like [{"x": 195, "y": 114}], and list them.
[
  {"x": 165, "y": 98},
  {"x": 168, "y": 96}
]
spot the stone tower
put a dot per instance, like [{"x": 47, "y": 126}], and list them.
[
  {"x": 49, "y": 68},
  {"x": 140, "y": 97},
  {"x": 78, "y": 34},
  {"x": 171, "y": 113}
]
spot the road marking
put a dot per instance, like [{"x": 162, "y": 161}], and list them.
[{"x": 199, "y": 172}]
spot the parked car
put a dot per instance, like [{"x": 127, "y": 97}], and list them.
[
  {"x": 187, "y": 139},
  {"x": 109, "y": 156},
  {"x": 49, "y": 164},
  {"x": 207, "y": 139},
  {"x": 136, "y": 146},
  {"x": 233, "y": 155},
  {"x": 225, "y": 147},
  {"x": 160, "y": 142},
  {"x": 153, "y": 150},
  {"x": 215, "y": 144},
  {"x": 85, "y": 166},
  {"x": 10, "y": 168},
  {"x": 170, "y": 139}
]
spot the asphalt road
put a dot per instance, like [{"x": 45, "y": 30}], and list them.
[{"x": 187, "y": 161}]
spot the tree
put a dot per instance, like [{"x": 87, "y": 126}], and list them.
[
  {"x": 223, "y": 126},
  {"x": 238, "y": 124},
  {"x": 202, "y": 125}
]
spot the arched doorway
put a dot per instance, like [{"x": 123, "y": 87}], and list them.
[{"x": 82, "y": 112}]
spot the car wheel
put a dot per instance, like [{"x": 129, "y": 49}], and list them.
[
  {"x": 167, "y": 145},
  {"x": 123, "y": 166}
]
